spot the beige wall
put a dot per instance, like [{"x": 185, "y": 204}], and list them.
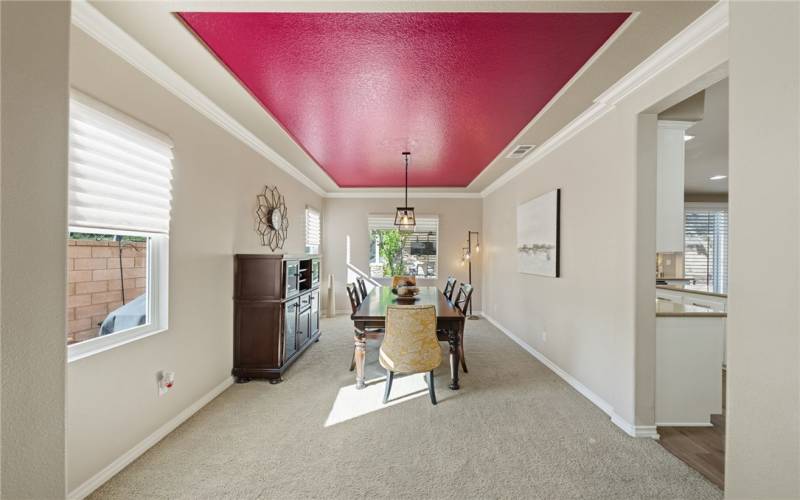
[
  {"x": 112, "y": 398},
  {"x": 763, "y": 439},
  {"x": 599, "y": 316},
  {"x": 35, "y": 44},
  {"x": 343, "y": 218}
]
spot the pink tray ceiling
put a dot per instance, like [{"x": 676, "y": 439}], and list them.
[{"x": 356, "y": 89}]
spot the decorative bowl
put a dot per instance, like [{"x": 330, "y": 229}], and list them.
[{"x": 407, "y": 292}]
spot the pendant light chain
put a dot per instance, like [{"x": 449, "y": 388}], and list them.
[{"x": 406, "y": 179}]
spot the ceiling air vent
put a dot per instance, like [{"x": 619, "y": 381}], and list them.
[{"x": 520, "y": 150}]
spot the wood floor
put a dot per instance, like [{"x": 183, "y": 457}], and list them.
[{"x": 702, "y": 448}]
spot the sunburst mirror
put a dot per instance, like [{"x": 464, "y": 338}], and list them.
[{"x": 273, "y": 222}]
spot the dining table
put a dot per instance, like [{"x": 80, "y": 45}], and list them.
[{"x": 371, "y": 315}]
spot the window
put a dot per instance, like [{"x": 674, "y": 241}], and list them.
[
  {"x": 312, "y": 230},
  {"x": 120, "y": 174},
  {"x": 706, "y": 246},
  {"x": 394, "y": 253}
]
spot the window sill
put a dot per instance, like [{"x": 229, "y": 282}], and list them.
[{"x": 97, "y": 345}]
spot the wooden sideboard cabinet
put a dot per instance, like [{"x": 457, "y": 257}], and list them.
[{"x": 276, "y": 313}]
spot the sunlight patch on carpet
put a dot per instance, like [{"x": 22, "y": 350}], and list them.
[{"x": 351, "y": 403}]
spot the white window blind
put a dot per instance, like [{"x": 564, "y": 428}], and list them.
[
  {"x": 706, "y": 247},
  {"x": 425, "y": 223},
  {"x": 313, "y": 238},
  {"x": 120, "y": 171}
]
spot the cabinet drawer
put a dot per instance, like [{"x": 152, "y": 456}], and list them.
[
  {"x": 675, "y": 297},
  {"x": 700, "y": 301}
]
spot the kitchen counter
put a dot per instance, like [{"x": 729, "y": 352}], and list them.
[
  {"x": 666, "y": 308},
  {"x": 688, "y": 290}
]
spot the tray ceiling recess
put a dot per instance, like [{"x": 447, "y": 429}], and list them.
[{"x": 354, "y": 90}]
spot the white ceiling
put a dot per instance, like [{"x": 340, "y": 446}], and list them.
[{"x": 707, "y": 153}]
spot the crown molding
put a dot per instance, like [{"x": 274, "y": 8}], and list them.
[
  {"x": 518, "y": 139},
  {"x": 675, "y": 124},
  {"x": 709, "y": 24},
  {"x": 96, "y": 25},
  {"x": 373, "y": 193}
]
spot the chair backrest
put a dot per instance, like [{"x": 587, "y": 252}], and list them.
[
  {"x": 362, "y": 287},
  {"x": 404, "y": 280},
  {"x": 410, "y": 344},
  {"x": 355, "y": 300},
  {"x": 449, "y": 288},
  {"x": 464, "y": 297}
]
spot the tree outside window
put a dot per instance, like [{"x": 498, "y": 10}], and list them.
[{"x": 396, "y": 253}]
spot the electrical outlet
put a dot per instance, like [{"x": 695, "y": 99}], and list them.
[
  {"x": 165, "y": 381},
  {"x": 544, "y": 336}
]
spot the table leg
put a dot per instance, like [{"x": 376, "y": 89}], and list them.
[
  {"x": 360, "y": 355},
  {"x": 453, "y": 340}
]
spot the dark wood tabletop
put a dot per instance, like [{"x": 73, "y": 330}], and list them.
[
  {"x": 372, "y": 314},
  {"x": 373, "y": 307}
]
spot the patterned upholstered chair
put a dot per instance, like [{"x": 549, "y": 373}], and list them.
[
  {"x": 404, "y": 280},
  {"x": 410, "y": 344}
]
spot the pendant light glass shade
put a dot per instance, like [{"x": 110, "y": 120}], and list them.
[{"x": 404, "y": 219}]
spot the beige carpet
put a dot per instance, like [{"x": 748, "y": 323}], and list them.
[{"x": 514, "y": 430}]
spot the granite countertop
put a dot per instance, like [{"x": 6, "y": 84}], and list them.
[
  {"x": 665, "y": 308},
  {"x": 687, "y": 290}
]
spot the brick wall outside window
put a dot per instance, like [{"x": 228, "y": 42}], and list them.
[{"x": 94, "y": 287}]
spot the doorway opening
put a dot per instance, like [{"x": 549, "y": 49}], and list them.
[{"x": 691, "y": 272}]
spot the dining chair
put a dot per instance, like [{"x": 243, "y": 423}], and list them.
[
  {"x": 355, "y": 298},
  {"x": 449, "y": 288},
  {"x": 462, "y": 302},
  {"x": 362, "y": 287},
  {"x": 404, "y": 280},
  {"x": 370, "y": 333},
  {"x": 410, "y": 345}
]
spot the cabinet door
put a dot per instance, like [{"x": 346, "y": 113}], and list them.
[
  {"x": 257, "y": 339},
  {"x": 670, "y": 165},
  {"x": 314, "y": 272},
  {"x": 290, "y": 328},
  {"x": 292, "y": 269},
  {"x": 314, "y": 312},
  {"x": 303, "y": 325}
]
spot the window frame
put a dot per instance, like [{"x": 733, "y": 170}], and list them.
[
  {"x": 710, "y": 207},
  {"x": 419, "y": 217},
  {"x": 319, "y": 218},
  {"x": 157, "y": 297}
]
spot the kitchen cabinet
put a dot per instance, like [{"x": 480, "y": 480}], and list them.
[{"x": 670, "y": 165}]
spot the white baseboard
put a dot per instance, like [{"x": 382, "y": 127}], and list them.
[
  {"x": 684, "y": 424},
  {"x": 648, "y": 431},
  {"x": 120, "y": 463},
  {"x": 347, "y": 311}
]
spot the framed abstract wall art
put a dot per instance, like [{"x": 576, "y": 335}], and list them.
[{"x": 538, "y": 239}]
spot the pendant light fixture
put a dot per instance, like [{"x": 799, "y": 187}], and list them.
[{"x": 404, "y": 219}]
